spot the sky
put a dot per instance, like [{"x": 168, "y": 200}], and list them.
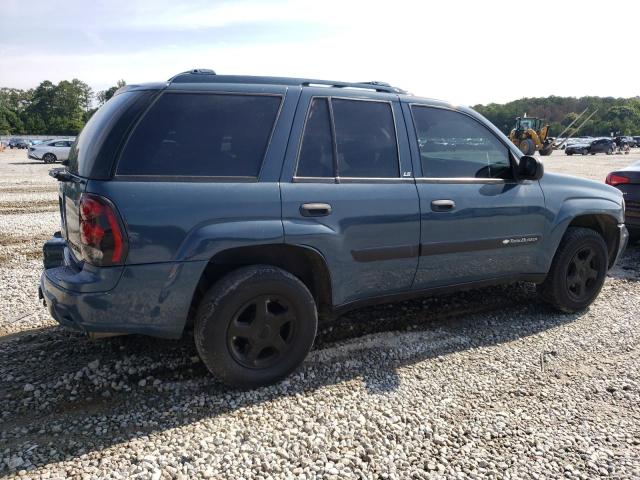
[{"x": 463, "y": 51}]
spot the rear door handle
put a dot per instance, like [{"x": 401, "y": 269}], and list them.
[
  {"x": 443, "y": 205},
  {"x": 315, "y": 209}
]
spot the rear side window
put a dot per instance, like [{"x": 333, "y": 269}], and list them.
[
  {"x": 201, "y": 135},
  {"x": 453, "y": 145},
  {"x": 365, "y": 140}
]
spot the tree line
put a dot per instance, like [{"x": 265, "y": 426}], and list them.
[
  {"x": 618, "y": 116},
  {"x": 63, "y": 109},
  {"x": 50, "y": 109}
]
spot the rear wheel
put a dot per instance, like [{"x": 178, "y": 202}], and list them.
[
  {"x": 584, "y": 151},
  {"x": 255, "y": 326},
  {"x": 610, "y": 151},
  {"x": 49, "y": 158},
  {"x": 527, "y": 146},
  {"x": 577, "y": 272}
]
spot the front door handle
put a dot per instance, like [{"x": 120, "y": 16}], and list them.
[
  {"x": 443, "y": 205},
  {"x": 315, "y": 209}
]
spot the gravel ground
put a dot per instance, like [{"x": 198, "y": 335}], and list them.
[{"x": 488, "y": 383}]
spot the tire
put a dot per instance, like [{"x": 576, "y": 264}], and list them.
[
  {"x": 527, "y": 146},
  {"x": 241, "y": 347},
  {"x": 577, "y": 271},
  {"x": 610, "y": 151},
  {"x": 569, "y": 153},
  {"x": 545, "y": 152},
  {"x": 593, "y": 153},
  {"x": 584, "y": 152},
  {"x": 49, "y": 158}
]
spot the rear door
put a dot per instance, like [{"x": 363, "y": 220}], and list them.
[
  {"x": 348, "y": 191},
  {"x": 478, "y": 222}
]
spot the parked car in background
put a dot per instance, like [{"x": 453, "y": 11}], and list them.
[
  {"x": 577, "y": 149},
  {"x": 51, "y": 151},
  {"x": 250, "y": 207},
  {"x": 17, "y": 142},
  {"x": 627, "y": 180},
  {"x": 602, "y": 145}
]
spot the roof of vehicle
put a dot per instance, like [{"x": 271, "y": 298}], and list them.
[
  {"x": 209, "y": 76},
  {"x": 200, "y": 75}
]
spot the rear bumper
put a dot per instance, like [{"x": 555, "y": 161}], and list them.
[{"x": 151, "y": 299}]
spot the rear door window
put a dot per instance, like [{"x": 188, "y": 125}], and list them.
[
  {"x": 454, "y": 145},
  {"x": 201, "y": 135},
  {"x": 316, "y": 152},
  {"x": 365, "y": 139}
]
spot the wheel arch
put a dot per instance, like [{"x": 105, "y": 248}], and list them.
[
  {"x": 602, "y": 221},
  {"x": 606, "y": 225},
  {"x": 304, "y": 262}
]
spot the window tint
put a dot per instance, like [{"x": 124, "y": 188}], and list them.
[
  {"x": 453, "y": 145},
  {"x": 201, "y": 135},
  {"x": 316, "y": 153},
  {"x": 365, "y": 139}
]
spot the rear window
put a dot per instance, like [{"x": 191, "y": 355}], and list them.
[
  {"x": 93, "y": 153},
  {"x": 201, "y": 135}
]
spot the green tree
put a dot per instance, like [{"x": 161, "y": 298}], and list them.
[{"x": 104, "y": 95}]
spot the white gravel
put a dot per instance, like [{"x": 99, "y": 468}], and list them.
[{"x": 483, "y": 384}]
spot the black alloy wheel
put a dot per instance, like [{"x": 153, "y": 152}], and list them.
[
  {"x": 577, "y": 272},
  {"x": 262, "y": 331},
  {"x": 583, "y": 271},
  {"x": 255, "y": 326}
]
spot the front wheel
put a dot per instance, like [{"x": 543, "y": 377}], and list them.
[
  {"x": 49, "y": 158},
  {"x": 584, "y": 152},
  {"x": 255, "y": 326},
  {"x": 577, "y": 272},
  {"x": 527, "y": 146}
]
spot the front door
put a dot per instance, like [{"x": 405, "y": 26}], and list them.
[
  {"x": 344, "y": 195},
  {"x": 478, "y": 222}
]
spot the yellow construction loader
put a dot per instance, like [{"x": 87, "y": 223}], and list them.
[{"x": 530, "y": 135}]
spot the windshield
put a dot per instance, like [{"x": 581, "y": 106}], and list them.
[{"x": 527, "y": 123}]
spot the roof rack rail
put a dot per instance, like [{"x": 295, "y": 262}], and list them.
[
  {"x": 194, "y": 71},
  {"x": 377, "y": 86},
  {"x": 204, "y": 75}
]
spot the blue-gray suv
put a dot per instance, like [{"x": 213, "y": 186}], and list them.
[{"x": 248, "y": 207}]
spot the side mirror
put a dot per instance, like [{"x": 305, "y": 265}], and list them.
[{"x": 530, "y": 168}]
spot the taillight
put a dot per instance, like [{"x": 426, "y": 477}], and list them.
[
  {"x": 102, "y": 237},
  {"x": 614, "y": 179}
]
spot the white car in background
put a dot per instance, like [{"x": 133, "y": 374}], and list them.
[{"x": 51, "y": 151}]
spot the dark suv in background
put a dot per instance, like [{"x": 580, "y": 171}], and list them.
[{"x": 247, "y": 207}]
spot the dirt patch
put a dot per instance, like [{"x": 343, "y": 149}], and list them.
[
  {"x": 28, "y": 188},
  {"x": 10, "y": 240},
  {"x": 29, "y": 206}
]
